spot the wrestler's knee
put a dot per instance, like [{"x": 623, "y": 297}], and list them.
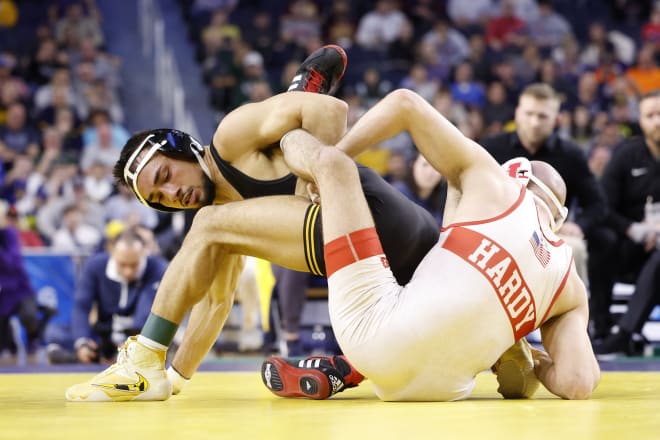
[{"x": 335, "y": 162}]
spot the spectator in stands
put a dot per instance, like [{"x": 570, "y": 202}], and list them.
[
  {"x": 418, "y": 80},
  {"x": 600, "y": 39},
  {"x": 506, "y": 31},
  {"x": 372, "y": 87},
  {"x": 98, "y": 183},
  {"x": 380, "y": 26},
  {"x": 301, "y": 23},
  {"x": 17, "y": 136},
  {"x": 252, "y": 72},
  {"x": 549, "y": 28},
  {"x": 17, "y": 296},
  {"x": 44, "y": 62},
  {"x": 497, "y": 111},
  {"x": 526, "y": 10},
  {"x": 124, "y": 207},
  {"x": 60, "y": 82},
  {"x": 105, "y": 65},
  {"x": 599, "y": 157},
  {"x": 425, "y": 186},
  {"x": 78, "y": 24},
  {"x": 219, "y": 34},
  {"x": 339, "y": 25},
  {"x": 445, "y": 104},
  {"x": 534, "y": 138},
  {"x": 423, "y": 14},
  {"x": 470, "y": 17},
  {"x": 263, "y": 37},
  {"x": 59, "y": 101},
  {"x": 99, "y": 117},
  {"x": 645, "y": 74},
  {"x": 528, "y": 63},
  {"x": 465, "y": 89},
  {"x": 651, "y": 29},
  {"x": 64, "y": 190},
  {"x": 402, "y": 52},
  {"x": 449, "y": 44},
  {"x": 74, "y": 235},
  {"x": 103, "y": 152},
  {"x": 121, "y": 285},
  {"x": 631, "y": 183}
]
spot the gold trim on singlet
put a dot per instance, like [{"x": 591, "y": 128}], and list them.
[{"x": 308, "y": 235}]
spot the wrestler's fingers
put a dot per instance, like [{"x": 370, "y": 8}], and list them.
[{"x": 313, "y": 192}]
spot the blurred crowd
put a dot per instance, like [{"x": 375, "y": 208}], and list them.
[{"x": 61, "y": 115}]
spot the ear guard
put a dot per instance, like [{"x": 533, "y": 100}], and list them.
[
  {"x": 163, "y": 140},
  {"x": 520, "y": 169}
]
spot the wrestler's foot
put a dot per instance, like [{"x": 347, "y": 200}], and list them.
[
  {"x": 321, "y": 71},
  {"x": 138, "y": 374},
  {"x": 515, "y": 372},
  {"x": 316, "y": 377}
]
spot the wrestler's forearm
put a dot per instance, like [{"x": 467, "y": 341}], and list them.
[{"x": 203, "y": 328}]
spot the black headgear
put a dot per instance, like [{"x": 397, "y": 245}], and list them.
[{"x": 163, "y": 140}]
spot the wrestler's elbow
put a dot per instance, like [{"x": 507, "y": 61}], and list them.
[{"x": 580, "y": 385}]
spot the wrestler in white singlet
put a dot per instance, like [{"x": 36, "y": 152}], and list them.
[{"x": 477, "y": 291}]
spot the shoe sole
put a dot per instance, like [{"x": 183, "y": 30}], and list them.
[{"x": 285, "y": 380}]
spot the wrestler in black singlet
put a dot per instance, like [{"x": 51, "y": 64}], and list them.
[{"x": 406, "y": 230}]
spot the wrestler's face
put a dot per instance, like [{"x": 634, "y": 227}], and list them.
[
  {"x": 535, "y": 119},
  {"x": 175, "y": 183},
  {"x": 649, "y": 120}
]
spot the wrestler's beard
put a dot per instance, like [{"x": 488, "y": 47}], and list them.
[{"x": 209, "y": 191}]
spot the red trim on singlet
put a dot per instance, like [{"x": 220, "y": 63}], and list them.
[
  {"x": 501, "y": 271},
  {"x": 556, "y": 294},
  {"x": 492, "y": 219},
  {"x": 348, "y": 249}
]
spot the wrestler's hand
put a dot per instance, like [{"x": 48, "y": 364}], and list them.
[
  {"x": 87, "y": 352},
  {"x": 313, "y": 192},
  {"x": 542, "y": 364},
  {"x": 178, "y": 381}
]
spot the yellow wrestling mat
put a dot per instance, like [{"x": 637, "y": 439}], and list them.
[{"x": 237, "y": 406}]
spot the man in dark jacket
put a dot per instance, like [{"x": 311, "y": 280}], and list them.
[
  {"x": 632, "y": 184},
  {"x": 535, "y": 139},
  {"x": 122, "y": 284}
]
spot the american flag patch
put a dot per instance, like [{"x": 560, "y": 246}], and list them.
[{"x": 540, "y": 249}]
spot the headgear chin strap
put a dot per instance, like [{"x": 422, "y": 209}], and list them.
[
  {"x": 520, "y": 169},
  {"x": 163, "y": 140}
]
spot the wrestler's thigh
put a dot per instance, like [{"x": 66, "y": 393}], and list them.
[{"x": 270, "y": 228}]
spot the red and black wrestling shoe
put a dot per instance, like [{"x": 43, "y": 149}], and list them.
[
  {"x": 321, "y": 71},
  {"x": 315, "y": 377}
]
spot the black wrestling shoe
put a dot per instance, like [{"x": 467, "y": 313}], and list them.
[
  {"x": 316, "y": 377},
  {"x": 321, "y": 71}
]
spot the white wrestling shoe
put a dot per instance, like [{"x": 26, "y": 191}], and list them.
[
  {"x": 515, "y": 372},
  {"x": 138, "y": 374}
]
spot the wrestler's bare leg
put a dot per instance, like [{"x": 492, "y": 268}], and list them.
[
  {"x": 345, "y": 208},
  {"x": 206, "y": 268}
]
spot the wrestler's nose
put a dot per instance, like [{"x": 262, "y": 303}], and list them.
[{"x": 170, "y": 192}]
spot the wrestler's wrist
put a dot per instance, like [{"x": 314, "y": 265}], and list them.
[{"x": 177, "y": 380}]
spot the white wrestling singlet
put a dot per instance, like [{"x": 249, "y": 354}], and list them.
[{"x": 482, "y": 287}]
